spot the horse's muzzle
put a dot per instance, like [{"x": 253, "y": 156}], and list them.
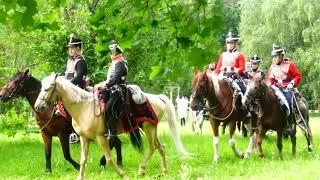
[
  {"x": 194, "y": 106},
  {"x": 40, "y": 108}
]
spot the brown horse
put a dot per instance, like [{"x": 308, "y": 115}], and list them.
[
  {"x": 23, "y": 84},
  {"x": 221, "y": 103},
  {"x": 271, "y": 114}
]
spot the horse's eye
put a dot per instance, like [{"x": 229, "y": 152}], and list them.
[{"x": 46, "y": 90}]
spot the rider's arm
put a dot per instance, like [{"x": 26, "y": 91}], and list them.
[
  {"x": 218, "y": 68},
  {"x": 240, "y": 64},
  {"x": 294, "y": 74}
]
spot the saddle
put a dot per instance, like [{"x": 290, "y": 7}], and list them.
[
  {"x": 135, "y": 110},
  {"x": 60, "y": 110}
]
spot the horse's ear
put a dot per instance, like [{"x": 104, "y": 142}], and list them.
[
  {"x": 56, "y": 75},
  {"x": 195, "y": 71},
  {"x": 26, "y": 72}
]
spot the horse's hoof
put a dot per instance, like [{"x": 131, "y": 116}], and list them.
[
  {"x": 246, "y": 155},
  {"x": 240, "y": 155},
  {"x": 281, "y": 157},
  {"x": 125, "y": 176},
  {"x": 48, "y": 171},
  {"x": 165, "y": 171},
  {"x": 80, "y": 177},
  {"x": 261, "y": 155},
  {"x": 141, "y": 171}
]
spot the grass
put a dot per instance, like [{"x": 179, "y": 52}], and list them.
[{"x": 22, "y": 157}]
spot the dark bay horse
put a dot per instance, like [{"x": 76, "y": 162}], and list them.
[
  {"x": 23, "y": 84},
  {"x": 222, "y": 109},
  {"x": 271, "y": 115}
]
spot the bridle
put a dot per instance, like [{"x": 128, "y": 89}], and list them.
[
  {"x": 215, "y": 106},
  {"x": 47, "y": 100},
  {"x": 253, "y": 95},
  {"x": 16, "y": 89}
]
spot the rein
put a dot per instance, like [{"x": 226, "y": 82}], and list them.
[
  {"x": 48, "y": 120},
  {"x": 224, "y": 118}
]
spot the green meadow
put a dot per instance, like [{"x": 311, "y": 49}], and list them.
[{"x": 22, "y": 157}]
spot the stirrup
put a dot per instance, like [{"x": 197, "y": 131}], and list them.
[
  {"x": 73, "y": 138},
  {"x": 108, "y": 135}
]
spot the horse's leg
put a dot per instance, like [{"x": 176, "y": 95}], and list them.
[
  {"x": 104, "y": 144},
  {"x": 116, "y": 143},
  {"x": 232, "y": 141},
  {"x": 200, "y": 126},
  {"x": 64, "y": 141},
  {"x": 150, "y": 133},
  {"x": 47, "y": 140},
  {"x": 160, "y": 148},
  {"x": 279, "y": 143},
  {"x": 252, "y": 140},
  {"x": 293, "y": 139},
  {"x": 259, "y": 138},
  {"x": 85, "y": 142},
  {"x": 215, "y": 129}
]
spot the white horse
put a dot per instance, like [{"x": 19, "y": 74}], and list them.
[{"x": 83, "y": 107}]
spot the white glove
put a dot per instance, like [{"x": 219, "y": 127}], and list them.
[{"x": 290, "y": 86}]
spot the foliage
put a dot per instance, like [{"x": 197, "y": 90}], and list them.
[{"x": 12, "y": 122}]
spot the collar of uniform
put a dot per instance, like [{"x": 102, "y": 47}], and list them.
[
  {"x": 117, "y": 57},
  {"x": 75, "y": 58}
]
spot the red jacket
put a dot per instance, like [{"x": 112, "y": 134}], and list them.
[
  {"x": 231, "y": 62},
  {"x": 281, "y": 75}
]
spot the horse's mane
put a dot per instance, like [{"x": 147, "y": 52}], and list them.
[
  {"x": 77, "y": 94},
  {"x": 210, "y": 75},
  {"x": 269, "y": 92}
]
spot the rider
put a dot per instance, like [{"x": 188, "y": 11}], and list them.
[
  {"x": 116, "y": 87},
  {"x": 283, "y": 76},
  {"x": 76, "y": 70},
  {"x": 254, "y": 68},
  {"x": 231, "y": 65}
]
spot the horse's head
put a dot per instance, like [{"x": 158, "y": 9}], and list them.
[
  {"x": 15, "y": 87},
  {"x": 255, "y": 90},
  {"x": 47, "y": 95},
  {"x": 199, "y": 90}
]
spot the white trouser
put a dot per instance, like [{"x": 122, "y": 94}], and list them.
[{"x": 282, "y": 98}]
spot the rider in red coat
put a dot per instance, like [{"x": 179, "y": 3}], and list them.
[
  {"x": 283, "y": 76},
  {"x": 283, "y": 73},
  {"x": 231, "y": 65}
]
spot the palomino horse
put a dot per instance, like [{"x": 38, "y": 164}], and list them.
[
  {"x": 271, "y": 114},
  {"x": 221, "y": 107},
  {"x": 82, "y": 107},
  {"x": 23, "y": 84}
]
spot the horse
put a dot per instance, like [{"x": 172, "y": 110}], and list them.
[
  {"x": 23, "y": 84},
  {"x": 82, "y": 107},
  {"x": 221, "y": 106},
  {"x": 271, "y": 114}
]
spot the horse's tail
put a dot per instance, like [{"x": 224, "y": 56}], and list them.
[
  {"x": 136, "y": 140},
  {"x": 171, "y": 116}
]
